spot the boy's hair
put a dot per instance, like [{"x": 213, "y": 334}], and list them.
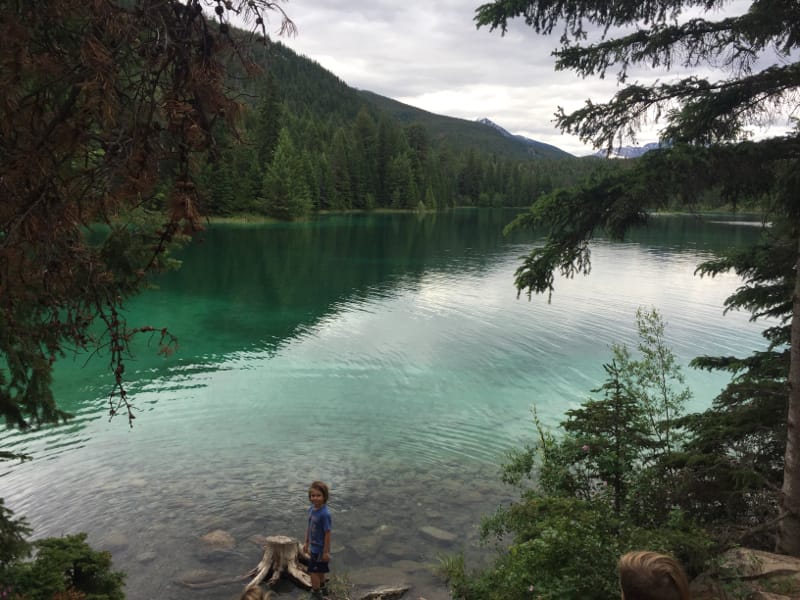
[
  {"x": 652, "y": 576},
  {"x": 322, "y": 487}
]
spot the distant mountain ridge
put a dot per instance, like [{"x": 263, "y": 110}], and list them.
[
  {"x": 525, "y": 140},
  {"x": 629, "y": 151},
  {"x": 462, "y": 132}
]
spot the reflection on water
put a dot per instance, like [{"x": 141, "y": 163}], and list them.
[{"x": 386, "y": 354}]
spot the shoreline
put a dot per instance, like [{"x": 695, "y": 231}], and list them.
[{"x": 256, "y": 219}]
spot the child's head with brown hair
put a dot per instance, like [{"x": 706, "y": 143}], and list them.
[
  {"x": 652, "y": 576},
  {"x": 321, "y": 487}
]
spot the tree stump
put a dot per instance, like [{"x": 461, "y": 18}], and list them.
[{"x": 281, "y": 557}]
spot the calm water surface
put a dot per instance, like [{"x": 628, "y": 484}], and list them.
[{"x": 386, "y": 354}]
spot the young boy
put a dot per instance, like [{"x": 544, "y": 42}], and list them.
[{"x": 318, "y": 537}]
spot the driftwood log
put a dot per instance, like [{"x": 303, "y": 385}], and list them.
[{"x": 282, "y": 556}]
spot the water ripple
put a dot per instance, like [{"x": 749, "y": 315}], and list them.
[{"x": 405, "y": 387}]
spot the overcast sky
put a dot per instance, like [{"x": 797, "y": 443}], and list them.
[{"x": 430, "y": 55}]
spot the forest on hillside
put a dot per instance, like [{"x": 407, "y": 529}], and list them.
[{"x": 310, "y": 143}]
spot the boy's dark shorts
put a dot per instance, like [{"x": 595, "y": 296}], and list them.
[{"x": 315, "y": 565}]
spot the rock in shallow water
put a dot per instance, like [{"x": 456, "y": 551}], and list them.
[
  {"x": 410, "y": 566},
  {"x": 219, "y": 539},
  {"x": 436, "y": 534},
  {"x": 146, "y": 557},
  {"x": 114, "y": 541}
]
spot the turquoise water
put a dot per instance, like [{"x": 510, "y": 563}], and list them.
[{"x": 386, "y": 354}]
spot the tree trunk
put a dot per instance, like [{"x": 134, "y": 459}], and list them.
[
  {"x": 281, "y": 556},
  {"x": 788, "y": 541}
]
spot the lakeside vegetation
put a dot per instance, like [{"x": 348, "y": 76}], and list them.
[
  {"x": 618, "y": 475},
  {"x": 732, "y": 475}
]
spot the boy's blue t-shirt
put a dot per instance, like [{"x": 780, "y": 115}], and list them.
[{"x": 319, "y": 521}]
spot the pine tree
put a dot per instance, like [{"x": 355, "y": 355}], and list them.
[
  {"x": 341, "y": 171},
  {"x": 365, "y": 138},
  {"x": 285, "y": 189},
  {"x": 389, "y": 145},
  {"x": 109, "y": 109},
  {"x": 401, "y": 185},
  {"x": 613, "y": 431},
  {"x": 268, "y": 124},
  {"x": 705, "y": 123}
]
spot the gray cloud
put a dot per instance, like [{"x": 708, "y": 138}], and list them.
[{"x": 430, "y": 55}]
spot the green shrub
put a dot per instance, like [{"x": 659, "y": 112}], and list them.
[
  {"x": 13, "y": 532},
  {"x": 604, "y": 487},
  {"x": 65, "y": 568}
]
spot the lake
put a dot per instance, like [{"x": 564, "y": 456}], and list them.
[{"x": 387, "y": 354}]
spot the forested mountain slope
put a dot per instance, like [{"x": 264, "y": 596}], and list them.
[
  {"x": 310, "y": 142},
  {"x": 461, "y": 133}
]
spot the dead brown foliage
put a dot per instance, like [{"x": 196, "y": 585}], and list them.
[{"x": 108, "y": 107}]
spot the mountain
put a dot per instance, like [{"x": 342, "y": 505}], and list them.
[
  {"x": 461, "y": 133},
  {"x": 628, "y": 151},
  {"x": 305, "y": 83},
  {"x": 539, "y": 147}
]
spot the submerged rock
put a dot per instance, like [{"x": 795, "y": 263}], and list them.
[
  {"x": 436, "y": 534},
  {"x": 115, "y": 541},
  {"x": 146, "y": 557},
  {"x": 366, "y": 546},
  {"x": 385, "y": 593},
  {"x": 219, "y": 539},
  {"x": 410, "y": 566}
]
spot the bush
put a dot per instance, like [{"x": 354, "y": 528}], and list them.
[
  {"x": 602, "y": 488},
  {"x": 13, "y": 532},
  {"x": 66, "y": 568}
]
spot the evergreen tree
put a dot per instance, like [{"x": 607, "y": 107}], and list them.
[
  {"x": 341, "y": 174},
  {"x": 102, "y": 123},
  {"x": 325, "y": 190},
  {"x": 469, "y": 180},
  {"x": 445, "y": 178},
  {"x": 419, "y": 146},
  {"x": 268, "y": 124},
  {"x": 735, "y": 451},
  {"x": 285, "y": 188},
  {"x": 388, "y": 146},
  {"x": 365, "y": 136},
  {"x": 234, "y": 182},
  {"x": 401, "y": 186},
  {"x": 430, "y": 198},
  {"x": 613, "y": 431},
  {"x": 705, "y": 123},
  {"x": 659, "y": 382}
]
